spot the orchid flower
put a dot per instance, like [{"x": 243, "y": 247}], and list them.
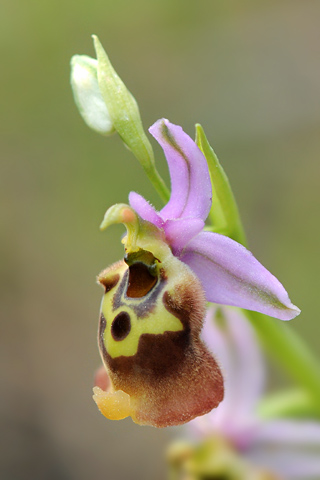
[
  {"x": 160, "y": 371},
  {"x": 233, "y": 441}
]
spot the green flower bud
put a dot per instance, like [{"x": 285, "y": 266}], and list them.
[
  {"x": 123, "y": 109},
  {"x": 87, "y": 95}
]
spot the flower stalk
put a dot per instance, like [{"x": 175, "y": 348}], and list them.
[{"x": 291, "y": 403}]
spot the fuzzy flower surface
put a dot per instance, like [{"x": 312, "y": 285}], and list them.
[
  {"x": 159, "y": 370},
  {"x": 252, "y": 447}
]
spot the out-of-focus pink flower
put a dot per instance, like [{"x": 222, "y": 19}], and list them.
[{"x": 289, "y": 448}]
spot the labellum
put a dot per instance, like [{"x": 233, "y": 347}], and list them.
[{"x": 152, "y": 312}]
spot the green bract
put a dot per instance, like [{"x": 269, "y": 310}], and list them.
[
  {"x": 123, "y": 108},
  {"x": 224, "y": 211}
]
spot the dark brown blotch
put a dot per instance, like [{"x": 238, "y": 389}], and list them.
[
  {"x": 157, "y": 357},
  {"x": 109, "y": 282},
  {"x": 141, "y": 281},
  {"x": 121, "y": 326}
]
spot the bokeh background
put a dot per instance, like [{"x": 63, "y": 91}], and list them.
[{"x": 249, "y": 73}]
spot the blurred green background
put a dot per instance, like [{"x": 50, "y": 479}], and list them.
[{"x": 249, "y": 73}]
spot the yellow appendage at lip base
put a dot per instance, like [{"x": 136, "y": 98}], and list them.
[{"x": 113, "y": 405}]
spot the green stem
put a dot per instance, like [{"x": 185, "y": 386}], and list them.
[
  {"x": 289, "y": 350},
  {"x": 291, "y": 403}
]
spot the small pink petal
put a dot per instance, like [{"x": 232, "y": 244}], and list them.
[
  {"x": 101, "y": 379},
  {"x": 144, "y": 209}
]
